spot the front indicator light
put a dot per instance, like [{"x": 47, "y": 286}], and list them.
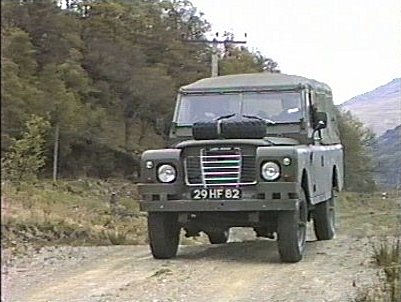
[
  {"x": 149, "y": 164},
  {"x": 286, "y": 161}
]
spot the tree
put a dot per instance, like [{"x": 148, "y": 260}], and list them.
[
  {"x": 103, "y": 73},
  {"x": 186, "y": 62},
  {"x": 240, "y": 60},
  {"x": 19, "y": 91},
  {"x": 44, "y": 74},
  {"x": 356, "y": 140},
  {"x": 53, "y": 31},
  {"x": 26, "y": 155}
]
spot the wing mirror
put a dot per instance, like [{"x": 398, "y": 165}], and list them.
[{"x": 320, "y": 120}]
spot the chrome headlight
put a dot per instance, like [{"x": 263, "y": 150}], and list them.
[
  {"x": 166, "y": 173},
  {"x": 270, "y": 171}
]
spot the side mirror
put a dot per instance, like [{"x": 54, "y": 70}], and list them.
[{"x": 320, "y": 120}]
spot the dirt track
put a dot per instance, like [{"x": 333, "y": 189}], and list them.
[{"x": 245, "y": 270}]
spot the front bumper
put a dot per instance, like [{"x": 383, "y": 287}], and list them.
[{"x": 278, "y": 196}]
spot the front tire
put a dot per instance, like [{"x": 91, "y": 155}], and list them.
[
  {"x": 164, "y": 231},
  {"x": 218, "y": 237},
  {"x": 291, "y": 231},
  {"x": 324, "y": 219}
]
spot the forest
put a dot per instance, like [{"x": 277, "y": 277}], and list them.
[{"x": 97, "y": 79}]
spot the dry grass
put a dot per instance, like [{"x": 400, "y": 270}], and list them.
[
  {"x": 71, "y": 212},
  {"x": 369, "y": 215},
  {"x": 79, "y": 213},
  {"x": 365, "y": 215},
  {"x": 386, "y": 254}
]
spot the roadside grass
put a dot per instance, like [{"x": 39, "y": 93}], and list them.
[
  {"x": 70, "y": 212},
  {"x": 371, "y": 216},
  {"x": 82, "y": 212},
  {"x": 94, "y": 212},
  {"x": 387, "y": 255},
  {"x": 366, "y": 215}
]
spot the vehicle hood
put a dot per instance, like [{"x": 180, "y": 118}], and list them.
[{"x": 267, "y": 141}]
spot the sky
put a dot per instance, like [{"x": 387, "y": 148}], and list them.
[{"x": 352, "y": 45}]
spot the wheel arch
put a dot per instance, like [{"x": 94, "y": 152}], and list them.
[
  {"x": 335, "y": 181},
  {"x": 305, "y": 184}
]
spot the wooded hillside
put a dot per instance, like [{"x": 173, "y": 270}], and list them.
[
  {"x": 105, "y": 74},
  {"x": 102, "y": 76}
]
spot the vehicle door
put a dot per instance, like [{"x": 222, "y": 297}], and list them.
[{"x": 319, "y": 160}]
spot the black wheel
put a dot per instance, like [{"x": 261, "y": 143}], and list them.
[
  {"x": 324, "y": 219},
  {"x": 218, "y": 237},
  {"x": 164, "y": 231},
  {"x": 291, "y": 231}
]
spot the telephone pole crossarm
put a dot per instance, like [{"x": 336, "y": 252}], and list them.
[{"x": 215, "y": 43}]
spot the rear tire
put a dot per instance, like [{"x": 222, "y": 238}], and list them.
[
  {"x": 218, "y": 237},
  {"x": 291, "y": 231},
  {"x": 164, "y": 231},
  {"x": 324, "y": 219}
]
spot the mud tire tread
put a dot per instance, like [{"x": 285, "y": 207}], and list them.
[{"x": 164, "y": 231}]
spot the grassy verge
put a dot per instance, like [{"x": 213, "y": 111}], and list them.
[
  {"x": 84, "y": 212},
  {"x": 386, "y": 254},
  {"x": 369, "y": 215},
  {"x": 70, "y": 212}
]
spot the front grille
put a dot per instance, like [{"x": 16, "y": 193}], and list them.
[{"x": 220, "y": 167}]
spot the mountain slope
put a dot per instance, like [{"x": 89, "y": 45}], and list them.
[
  {"x": 379, "y": 109},
  {"x": 387, "y": 158}
]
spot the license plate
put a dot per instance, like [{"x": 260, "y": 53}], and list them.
[{"x": 216, "y": 193}]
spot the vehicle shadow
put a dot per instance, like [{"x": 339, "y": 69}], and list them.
[
  {"x": 253, "y": 251},
  {"x": 247, "y": 251}
]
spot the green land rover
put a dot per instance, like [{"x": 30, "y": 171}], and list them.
[{"x": 249, "y": 150}]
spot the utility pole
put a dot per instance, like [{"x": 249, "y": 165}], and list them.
[
  {"x": 215, "y": 47},
  {"x": 55, "y": 152},
  {"x": 215, "y": 58}
]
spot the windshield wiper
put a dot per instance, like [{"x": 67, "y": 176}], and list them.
[
  {"x": 225, "y": 116},
  {"x": 255, "y": 117}
]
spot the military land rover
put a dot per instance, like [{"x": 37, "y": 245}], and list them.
[{"x": 249, "y": 150}]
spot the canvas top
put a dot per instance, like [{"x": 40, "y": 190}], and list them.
[{"x": 253, "y": 81}]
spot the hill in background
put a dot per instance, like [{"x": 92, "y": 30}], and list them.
[
  {"x": 379, "y": 109},
  {"x": 387, "y": 158}
]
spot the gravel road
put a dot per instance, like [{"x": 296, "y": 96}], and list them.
[{"x": 245, "y": 269}]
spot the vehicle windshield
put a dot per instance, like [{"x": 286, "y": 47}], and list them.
[{"x": 279, "y": 107}]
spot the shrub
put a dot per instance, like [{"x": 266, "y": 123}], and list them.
[
  {"x": 26, "y": 155},
  {"x": 387, "y": 255}
]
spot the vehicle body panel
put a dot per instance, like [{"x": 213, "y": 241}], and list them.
[{"x": 316, "y": 159}]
